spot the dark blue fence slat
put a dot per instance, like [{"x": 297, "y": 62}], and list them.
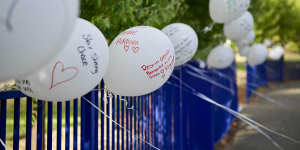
[
  {"x": 3, "y": 122},
  {"x": 130, "y": 122},
  {"x": 59, "y": 123},
  {"x": 108, "y": 124},
  {"x": 113, "y": 125},
  {"x": 40, "y": 125},
  {"x": 28, "y": 122},
  {"x": 102, "y": 117},
  {"x": 122, "y": 123},
  {"x": 16, "y": 124},
  {"x": 49, "y": 126},
  {"x": 118, "y": 111},
  {"x": 139, "y": 122},
  {"x": 83, "y": 124},
  {"x": 75, "y": 124},
  {"x": 67, "y": 142},
  {"x": 127, "y": 123},
  {"x": 96, "y": 117}
]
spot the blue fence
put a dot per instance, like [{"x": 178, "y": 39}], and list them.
[
  {"x": 172, "y": 118},
  {"x": 260, "y": 75}
]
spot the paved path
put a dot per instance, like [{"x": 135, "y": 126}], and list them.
[{"x": 285, "y": 120}]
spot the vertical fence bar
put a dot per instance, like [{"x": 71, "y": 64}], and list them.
[
  {"x": 59, "y": 122},
  {"x": 28, "y": 122},
  {"x": 107, "y": 124},
  {"x": 118, "y": 144},
  {"x": 75, "y": 123},
  {"x": 40, "y": 125},
  {"x": 82, "y": 137},
  {"x": 143, "y": 121},
  {"x": 102, "y": 103},
  {"x": 3, "y": 122},
  {"x": 136, "y": 119},
  {"x": 16, "y": 124},
  {"x": 67, "y": 128},
  {"x": 127, "y": 124},
  {"x": 113, "y": 125},
  {"x": 49, "y": 126},
  {"x": 123, "y": 124},
  {"x": 96, "y": 117},
  {"x": 138, "y": 108},
  {"x": 130, "y": 122}
]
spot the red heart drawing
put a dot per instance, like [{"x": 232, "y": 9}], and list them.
[{"x": 63, "y": 69}]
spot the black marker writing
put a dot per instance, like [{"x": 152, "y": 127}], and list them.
[{"x": 7, "y": 20}]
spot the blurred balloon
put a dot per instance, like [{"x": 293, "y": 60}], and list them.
[
  {"x": 220, "y": 57},
  {"x": 238, "y": 29},
  {"x": 75, "y": 71},
  {"x": 32, "y": 32},
  {"x": 141, "y": 60},
  {"x": 224, "y": 11},
  {"x": 257, "y": 54},
  {"x": 244, "y": 51},
  {"x": 276, "y": 53},
  {"x": 185, "y": 41},
  {"x": 268, "y": 42},
  {"x": 244, "y": 42}
]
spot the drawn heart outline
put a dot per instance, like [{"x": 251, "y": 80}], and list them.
[{"x": 63, "y": 69}]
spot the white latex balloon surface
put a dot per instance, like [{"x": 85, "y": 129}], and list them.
[
  {"x": 184, "y": 39},
  {"x": 75, "y": 71},
  {"x": 244, "y": 42},
  {"x": 257, "y": 54},
  {"x": 220, "y": 57},
  {"x": 141, "y": 60},
  {"x": 32, "y": 32},
  {"x": 239, "y": 29},
  {"x": 244, "y": 51},
  {"x": 276, "y": 53},
  {"x": 224, "y": 11}
]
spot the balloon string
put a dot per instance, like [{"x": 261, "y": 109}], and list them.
[
  {"x": 236, "y": 114},
  {"x": 3, "y": 144},
  {"x": 264, "y": 97},
  {"x": 107, "y": 116}
]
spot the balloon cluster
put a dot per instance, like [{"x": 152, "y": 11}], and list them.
[
  {"x": 239, "y": 27},
  {"x": 62, "y": 57}
]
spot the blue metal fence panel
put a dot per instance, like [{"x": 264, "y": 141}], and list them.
[
  {"x": 3, "y": 122},
  {"x": 49, "y": 126},
  {"x": 171, "y": 118},
  {"x": 16, "y": 124},
  {"x": 28, "y": 123},
  {"x": 59, "y": 125},
  {"x": 275, "y": 70}
]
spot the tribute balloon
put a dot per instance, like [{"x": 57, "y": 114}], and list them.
[
  {"x": 220, "y": 57},
  {"x": 32, "y": 32},
  {"x": 141, "y": 60},
  {"x": 239, "y": 28},
  {"x": 75, "y": 71},
  {"x": 184, "y": 39},
  {"x": 224, "y": 11},
  {"x": 257, "y": 54},
  {"x": 276, "y": 53}
]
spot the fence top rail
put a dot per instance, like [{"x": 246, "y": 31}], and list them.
[{"x": 11, "y": 95}]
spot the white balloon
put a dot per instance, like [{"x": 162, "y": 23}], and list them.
[
  {"x": 244, "y": 42},
  {"x": 141, "y": 60},
  {"x": 32, "y": 32},
  {"x": 223, "y": 11},
  {"x": 244, "y": 51},
  {"x": 239, "y": 28},
  {"x": 257, "y": 54},
  {"x": 268, "y": 42},
  {"x": 184, "y": 39},
  {"x": 220, "y": 57},
  {"x": 276, "y": 53},
  {"x": 75, "y": 71}
]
